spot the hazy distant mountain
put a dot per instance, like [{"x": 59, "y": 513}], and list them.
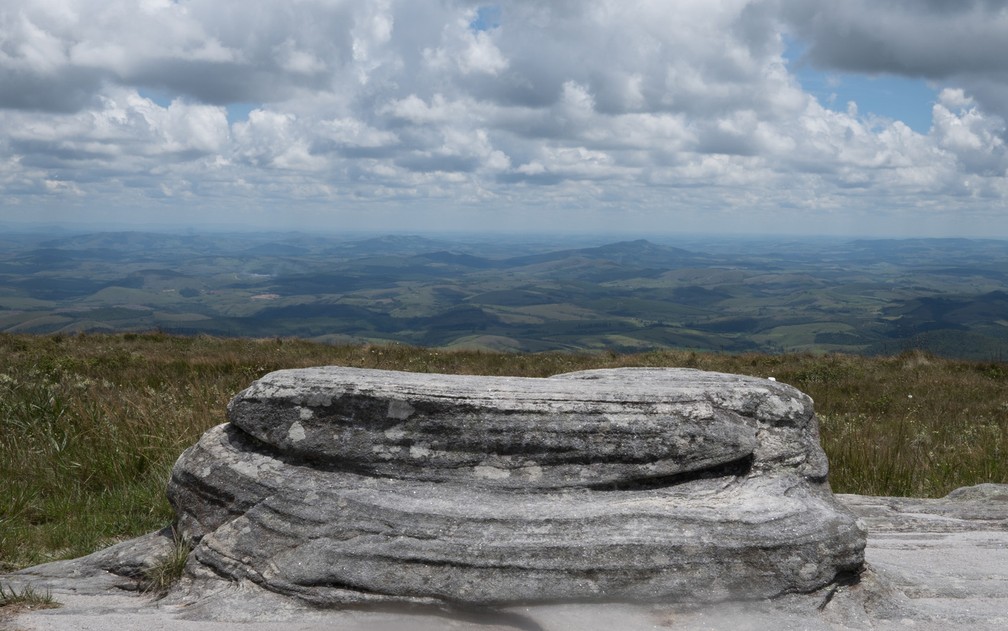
[
  {"x": 640, "y": 253},
  {"x": 862, "y": 296}
]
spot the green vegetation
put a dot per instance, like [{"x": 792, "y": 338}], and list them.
[
  {"x": 870, "y": 297},
  {"x": 90, "y": 425},
  {"x": 168, "y": 570},
  {"x": 27, "y": 597}
]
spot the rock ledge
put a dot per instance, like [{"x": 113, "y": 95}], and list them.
[{"x": 345, "y": 486}]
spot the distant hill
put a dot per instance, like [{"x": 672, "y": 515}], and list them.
[
  {"x": 636, "y": 253},
  {"x": 949, "y": 296},
  {"x": 461, "y": 260}
]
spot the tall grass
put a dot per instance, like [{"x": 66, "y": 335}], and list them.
[{"x": 90, "y": 425}]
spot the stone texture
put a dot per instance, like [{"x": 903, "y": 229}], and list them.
[
  {"x": 345, "y": 486},
  {"x": 932, "y": 564},
  {"x": 947, "y": 557}
]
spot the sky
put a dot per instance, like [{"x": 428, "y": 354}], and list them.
[{"x": 860, "y": 117}]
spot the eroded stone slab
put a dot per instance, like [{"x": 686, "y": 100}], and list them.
[
  {"x": 346, "y": 486},
  {"x": 932, "y": 564}
]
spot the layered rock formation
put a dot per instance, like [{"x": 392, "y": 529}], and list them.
[
  {"x": 931, "y": 564},
  {"x": 347, "y": 486}
]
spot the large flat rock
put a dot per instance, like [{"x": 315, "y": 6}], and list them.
[
  {"x": 343, "y": 486},
  {"x": 933, "y": 564},
  {"x": 946, "y": 558},
  {"x": 589, "y": 429}
]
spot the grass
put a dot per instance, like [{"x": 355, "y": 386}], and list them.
[
  {"x": 27, "y": 598},
  {"x": 168, "y": 570},
  {"x": 90, "y": 425}
]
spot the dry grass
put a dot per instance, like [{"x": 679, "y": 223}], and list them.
[{"x": 90, "y": 425}]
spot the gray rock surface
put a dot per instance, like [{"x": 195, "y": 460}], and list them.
[
  {"x": 932, "y": 564},
  {"x": 941, "y": 560},
  {"x": 345, "y": 486},
  {"x": 667, "y": 499}
]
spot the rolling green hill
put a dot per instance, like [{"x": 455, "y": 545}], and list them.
[{"x": 947, "y": 296}]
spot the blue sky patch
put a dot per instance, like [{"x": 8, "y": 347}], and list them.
[
  {"x": 487, "y": 18},
  {"x": 899, "y": 98},
  {"x": 160, "y": 97},
  {"x": 237, "y": 112}
]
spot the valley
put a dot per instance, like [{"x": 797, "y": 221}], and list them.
[{"x": 946, "y": 296}]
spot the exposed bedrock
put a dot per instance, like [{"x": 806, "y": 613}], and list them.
[{"x": 346, "y": 486}]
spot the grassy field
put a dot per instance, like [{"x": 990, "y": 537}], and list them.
[{"x": 90, "y": 425}]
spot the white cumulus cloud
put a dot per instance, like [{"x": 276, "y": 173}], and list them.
[{"x": 652, "y": 109}]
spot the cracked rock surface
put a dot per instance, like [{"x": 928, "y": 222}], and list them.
[{"x": 343, "y": 486}]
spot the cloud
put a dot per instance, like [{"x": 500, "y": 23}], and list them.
[
  {"x": 935, "y": 39},
  {"x": 215, "y": 52},
  {"x": 122, "y": 129},
  {"x": 649, "y": 107},
  {"x": 976, "y": 141},
  {"x": 961, "y": 43}
]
